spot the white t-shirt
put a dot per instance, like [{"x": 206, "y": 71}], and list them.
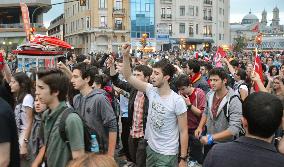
[
  {"x": 21, "y": 116},
  {"x": 162, "y": 130}
]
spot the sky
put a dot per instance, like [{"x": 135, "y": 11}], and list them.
[{"x": 237, "y": 11}]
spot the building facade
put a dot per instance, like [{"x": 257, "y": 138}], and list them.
[
  {"x": 191, "y": 25},
  {"x": 273, "y": 34},
  {"x": 142, "y": 16},
  {"x": 56, "y": 27},
  {"x": 100, "y": 26},
  {"x": 11, "y": 24}
]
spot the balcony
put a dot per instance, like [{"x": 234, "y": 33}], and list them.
[
  {"x": 166, "y": 1},
  {"x": 20, "y": 27},
  {"x": 208, "y": 18},
  {"x": 119, "y": 27},
  {"x": 166, "y": 16},
  {"x": 207, "y": 35},
  {"x": 207, "y": 2},
  {"x": 118, "y": 12}
]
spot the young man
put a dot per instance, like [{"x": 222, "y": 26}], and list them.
[
  {"x": 255, "y": 149},
  {"x": 192, "y": 69},
  {"x": 167, "y": 117},
  {"x": 94, "y": 107},
  {"x": 195, "y": 100},
  {"x": 222, "y": 114},
  {"x": 51, "y": 88},
  {"x": 137, "y": 112}
]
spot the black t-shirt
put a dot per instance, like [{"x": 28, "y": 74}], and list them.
[
  {"x": 8, "y": 132},
  {"x": 5, "y": 93}
]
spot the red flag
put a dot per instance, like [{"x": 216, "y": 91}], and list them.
[
  {"x": 221, "y": 52},
  {"x": 255, "y": 28},
  {"x": 218, "y": 56},
  {"x": 26, "y": 19},
  {"x": 257, "y": 69},
  {"x": 196, "y": 55}
]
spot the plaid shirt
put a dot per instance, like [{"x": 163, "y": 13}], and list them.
[{"x": 137, "y": 124}]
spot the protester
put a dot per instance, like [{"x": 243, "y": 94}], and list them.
[
  {"x": 255, "y": 149},
  {"x": 222, "y": 114},
  {"x": 21, "y": 87},
  {"x": 93, "y": 106},
  {"x": 51, "y": 89},
  {"x": 9, "y": 146},
  {"x": 93, "y": 160},
  {"x": 167, "y": 117}
]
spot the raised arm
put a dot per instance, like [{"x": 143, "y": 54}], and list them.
[
  {"x": 255, "y": 77},
  {"x": 230, "y": 67},
  {"x": 136, "y": 83}
]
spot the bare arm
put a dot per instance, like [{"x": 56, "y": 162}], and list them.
[
  {"x": 111, "y": 143},
  {"x": 201, "y": 125},
  {"x": 222, "y": 135},
  {"x": 281, "y": 142},
  {"x": 78, "y": 153},
  {"x": 39, "y": 158},
  {"x": 230, "y": 67},
  {"x": 136, "y": 83},
  {"x": 65, "y": 69},
  {"x": 4, "y": 154},
  {"x": 27, "y": 131},
  {"x": 7, "y": 73},
  {"x": 243, "y": 94},
  {"x": 182, "y": 123},
  {"x": 255, "y": 77}
]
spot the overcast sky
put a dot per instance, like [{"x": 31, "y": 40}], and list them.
[{"x": 239, "y": 8}]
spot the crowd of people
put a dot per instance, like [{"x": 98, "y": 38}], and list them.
[{"x": 165, "y": 109}]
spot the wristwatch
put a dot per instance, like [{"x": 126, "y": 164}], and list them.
[
  {"x": 26, "y": 140},
  {"x": 184, "y": 158}
]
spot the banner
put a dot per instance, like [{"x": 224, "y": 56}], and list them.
[{"x": 26, "y": 19}]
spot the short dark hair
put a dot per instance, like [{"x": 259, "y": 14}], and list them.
[
  {"x": 56, "y": 80},
  {"x": 166, "y": 67},
  {"x": 263, "y": 112},
  {"x": 69, "y": 56},
  {"x": 234, "y": 63},
  {"x": 194, "y": 65},
  {"x": 87, "y": 71},
  {"x": 80, "y": 58},
  {"x": 242, "y": 73},
  {"x": 182, "y": 80},
  {"x": 220, "y": 72},
  {"x": 147, "y": 71}
]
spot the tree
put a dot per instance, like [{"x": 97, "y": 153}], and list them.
[{"x": 239, "y": 44}]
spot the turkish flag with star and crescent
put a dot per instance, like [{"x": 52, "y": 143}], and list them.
[{"x": 258, "y": 69}]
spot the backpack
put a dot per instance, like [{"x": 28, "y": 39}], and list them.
[
  {"x": 87, "y": 132},
  {"x": 227, "y": 115}
]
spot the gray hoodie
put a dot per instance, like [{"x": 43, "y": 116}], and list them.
[
  {"x": 220, "y": 123},
  {"x": 97, "y": 111}
]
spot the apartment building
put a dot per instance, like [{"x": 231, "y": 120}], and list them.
[
  {"x": 56, "y": 27},
  {"x": 100, "y": 26},
  {"x": 11, "y": 24},
  {"x": 191, "y": 24}
]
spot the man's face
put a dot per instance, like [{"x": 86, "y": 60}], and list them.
[
  {"x": 157, "y": 77},
  {"x": 203, "y": 70},
  {"x": 249, "y": 69},
  {"x": 139, "y": 75},
  {"x": 217, "y": 83},
  {"x": 184, "y": 90},
  {"x": 77, "y": 81},
  {"x": 74, "y": 57},
  {"x": 43, "y": 93},
  {"x": 269, "y": 61},
  {"x": 186, "y": 70}
]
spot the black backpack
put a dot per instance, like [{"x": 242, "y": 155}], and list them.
[
  {"x": 87, "y": 132},
  {"x": 227, "y": 114}
]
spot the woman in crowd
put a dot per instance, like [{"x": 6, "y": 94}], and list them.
[{"x": 21, "y": 87}]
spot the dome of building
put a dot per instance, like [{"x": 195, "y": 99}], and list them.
[{"x": 250, "y": 19}]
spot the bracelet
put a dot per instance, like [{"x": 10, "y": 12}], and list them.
[
  {"x": 210, "y": 139},
  {"x": 189, "y": 106}
]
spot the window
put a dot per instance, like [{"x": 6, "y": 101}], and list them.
[
  {"x": 170, "y": 29},
  {"x": 196, "y": 29},
  {"x": 220, "y": 36},
  {"x": 147, "y": 7},
  {"x": 220, "y": 11},
  {"x": 223, "y": 11},
  {"x": 169, "y": 12},
  {"x": 191, "y": 10},
  {"x": 102, "y": 4},
  {"x": 103, "y": 21},
  {"x": 163, "y": 13},
  {"x": 190, "y": 30},
  {"x": 196, "y": 11},
  {"x": 88, "y": 22},
  {"x": 118, "y": 23},
  {"x": 138, "y": 35},
  {"x": 182, "y": 10},
  {"x": 118, "y": 4},
  {"x": 181, "y": 28}
]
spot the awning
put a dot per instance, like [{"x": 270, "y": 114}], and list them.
[{"x": 191, "y": 40}]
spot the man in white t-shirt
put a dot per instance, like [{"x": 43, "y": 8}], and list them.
[{"x": 167, "y": 115}]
